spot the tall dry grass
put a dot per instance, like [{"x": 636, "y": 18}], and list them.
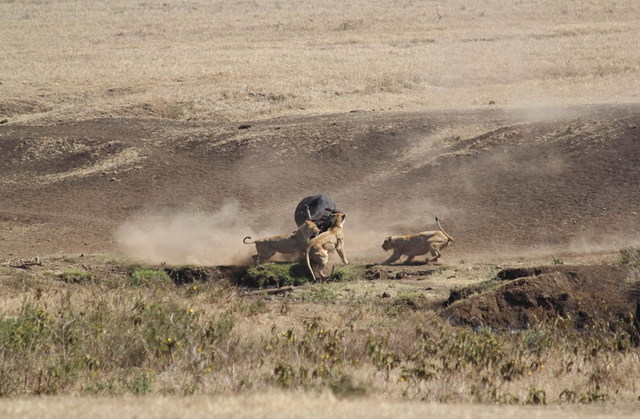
[
  {"x": 116, "y": 330},
  {"x": 241, "y": 60}
]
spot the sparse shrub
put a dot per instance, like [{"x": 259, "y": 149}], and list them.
[
  {"x": 382, "y": 357},
  {"x": 146, "y": 276},
  {"x": 76, "y": 276},
  {"x": 351, "y": 272},
  {"x": 275, "y": 274},
  {"x": 321, "y": 294},
  {"x": 181, "y": 275},
  {"x": 344, "y": 387},
  {"x": 143, "y": 339},
  {"x": 280, "y": 274},
  {"x": 285, "y": 375},
  {"x": 537, "y": 340},
  {"x": 27, "y": 330},
  {"x": 131, "y": 381},
  {"x": 630, "y": 256},
  {"x": 536, "y": 396},
  {"x": 568, "y": 396}
]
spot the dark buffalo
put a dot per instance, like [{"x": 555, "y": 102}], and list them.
[{"x": 317, "y": 208}]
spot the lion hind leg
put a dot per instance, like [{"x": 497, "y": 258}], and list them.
[
  {"x": 319, "y": 267},
  {"x": 264, "y": 253},
  {"x": 317, "y": 272},
  {"x": 342, "y": 255},
  {"x": 435, "y": 255}
]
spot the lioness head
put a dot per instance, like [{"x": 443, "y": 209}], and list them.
[
  {"x": 337, "y": 219},
  {"x": 310, "y": 228},
  {"x": 388, "y": 243}
]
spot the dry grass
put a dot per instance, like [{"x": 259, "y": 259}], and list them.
[
  {"x": 237, "y": 60},
  {"x": 286, "y": 404},
  {"x": 92, "y": 326}
]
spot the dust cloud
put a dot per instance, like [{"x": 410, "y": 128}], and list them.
[
  {"x": 188, "y": 237},
  {"x": 215, "y": 238}
]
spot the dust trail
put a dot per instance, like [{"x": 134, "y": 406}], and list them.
[
  {"x": 188, "y": 237},
  {"x": 201, "y": 238}
]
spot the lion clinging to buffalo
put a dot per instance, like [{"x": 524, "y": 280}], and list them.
[{"x": 321, "y": 232}]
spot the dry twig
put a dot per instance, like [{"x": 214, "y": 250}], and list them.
[{"x": 22, "y": 263}]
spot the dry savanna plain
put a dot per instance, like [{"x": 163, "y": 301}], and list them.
[{"x": 141, "y": 141}]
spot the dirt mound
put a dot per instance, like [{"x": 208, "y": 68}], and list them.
[
  {"x": 531, "y": 296},
  {"x": 182, "y": 275}
]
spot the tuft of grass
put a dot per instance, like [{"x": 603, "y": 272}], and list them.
[
  {"x": 320, "y": 294},
  {"x": 345, "y": 387},
  {"x": 351, "y": 272},
  {"x": 146, "y": 276},
  {"x": 76, "y": 276},
  {"x": 181, "y": 275},
  {"x": 630, "y": 257},
  {"x": 275, "y": 274},
  {"x": 280, "y": 274}
]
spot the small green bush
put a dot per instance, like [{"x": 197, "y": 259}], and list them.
[
  {"x": 275, "y": 274},
  {"x": 630, "y": 256},
  {"x": 76, "y": 277},
  {"x": 351, "y": 272},
  {"x": 281, "y": 274},
  {"x": 321, "y": 295},
  {"x": 146, "y": 276}
]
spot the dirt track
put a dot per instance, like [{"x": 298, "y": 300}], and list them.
[{"x": 503, "y": 182}]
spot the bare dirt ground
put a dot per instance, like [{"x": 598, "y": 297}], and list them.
[
  {"x": 566, "y": 182},
  {"x": 166, "y": 133}
]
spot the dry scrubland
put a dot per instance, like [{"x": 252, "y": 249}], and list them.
[
  {"x": 242, "y": 60},
  {"x": 97, "y": 325}
]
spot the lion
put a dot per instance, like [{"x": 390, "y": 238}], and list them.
[
  {"x": 412, "y": 245},
  {"x": 295, "y": 242},
  {"x": 319, "y": 247}
]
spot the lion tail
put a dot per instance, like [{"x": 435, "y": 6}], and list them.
[
  {"x": 444, "y": 232},
  {"x": 245, "y": 240},
  {"x": 313, "y": 276}
]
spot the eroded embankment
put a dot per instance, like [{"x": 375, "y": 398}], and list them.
[{"x": 584, "y": 294}]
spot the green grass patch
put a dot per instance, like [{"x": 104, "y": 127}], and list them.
[
  {"x": 352, "y": 272},
  {"x": 147, "y": 276},
  {"x": 275, "y": 274},
  {"x": 76, "y": 276},
  {"x": 188, "y": 274},
  {"x": 630, "y": 256},
  {"x": 281, "y": 274},
  {"x": 321, "y": 294}
]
